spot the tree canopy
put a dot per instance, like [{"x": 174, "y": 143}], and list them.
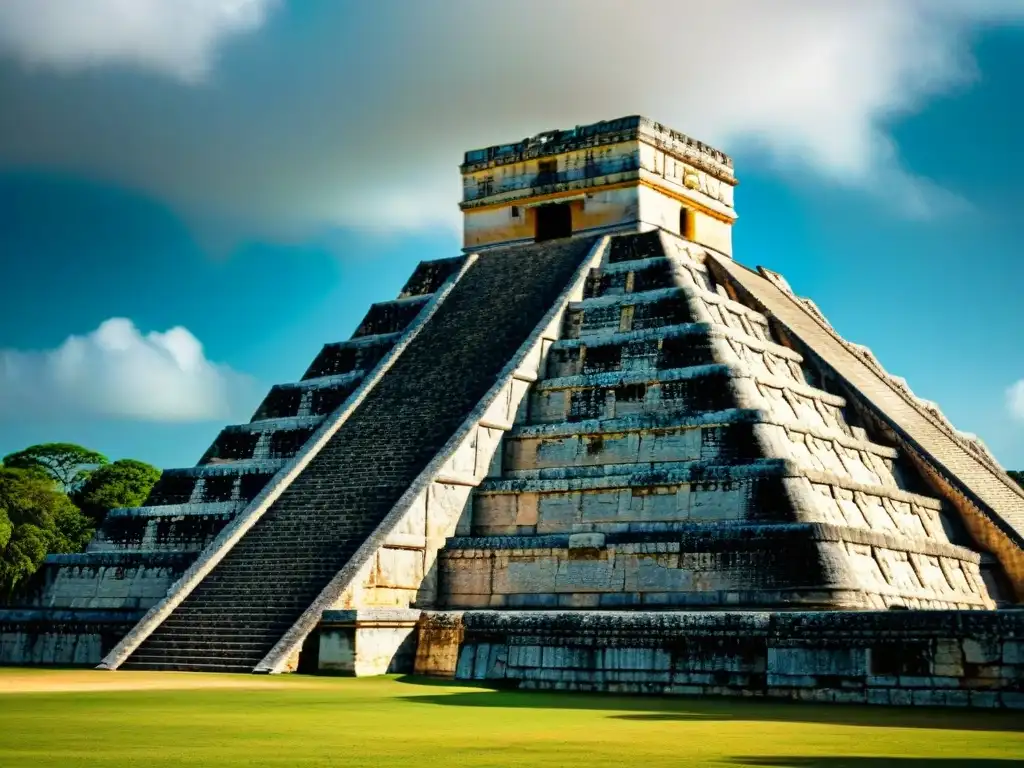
[
  {"x": 35, "y": 519},
  {"x": 1018, "y": 476},
  {"x": 67, "y": 464},
  {"x": 125, "y": 483},
  {"x": 52, "y": 498}
]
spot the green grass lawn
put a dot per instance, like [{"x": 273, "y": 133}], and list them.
[{"x": 303, "y": 721}]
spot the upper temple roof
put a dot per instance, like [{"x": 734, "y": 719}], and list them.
[{"x": 605, "y": 132}]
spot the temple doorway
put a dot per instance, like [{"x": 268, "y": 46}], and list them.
[{"x": 553, "y": 221}]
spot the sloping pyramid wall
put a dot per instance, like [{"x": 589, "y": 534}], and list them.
[
  {"x": 990, "y": 504},
  {"x": 676, "y": 455}
]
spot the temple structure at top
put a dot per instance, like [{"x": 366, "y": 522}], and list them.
[
  {"x": 625, "y": 175},
  {"x": 592, "y": 452}
]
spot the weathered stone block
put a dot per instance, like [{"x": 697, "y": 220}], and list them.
[
  {"x": 1013, "y": 652},
  {"x": 1012, "y": 700},
  {"x": 981, "y": 651},
  {"x": 983, "y": 699}
]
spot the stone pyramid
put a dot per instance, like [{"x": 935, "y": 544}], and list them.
[{"x": 591, "y": 443}]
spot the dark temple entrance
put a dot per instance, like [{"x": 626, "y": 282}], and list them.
[{"x": 553, "y": 221}]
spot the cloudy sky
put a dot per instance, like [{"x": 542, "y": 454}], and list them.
[{"x": 195, "y": 195}]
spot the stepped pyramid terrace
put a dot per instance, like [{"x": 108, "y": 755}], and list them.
[{"x": 592, "y": 452}]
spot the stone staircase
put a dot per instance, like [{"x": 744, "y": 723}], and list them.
[
  {"x": 679, "y": 454},
  {"x": 234, "y": 617}
]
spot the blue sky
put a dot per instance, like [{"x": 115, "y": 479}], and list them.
[{"x": 232, "y": 182}]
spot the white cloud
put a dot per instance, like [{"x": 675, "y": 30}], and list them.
[
  {"x": 116, "y": 372},
  {"x": 361, "y": 119},
  {"x": 1015, "y": 400},
  {"x": 173, "y": 37}
]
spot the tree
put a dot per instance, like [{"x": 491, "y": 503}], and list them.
[
  {"x": 1017, "y": 476},
  {"x": 72, "y": 530},
  {"x": 67, "y": 464},
  {"x": 125, "y": 483},
  {"x": 24, "y": 553},
  {"x": 35, "y": 519}
]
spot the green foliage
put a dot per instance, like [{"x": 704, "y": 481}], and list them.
[
  {"x": 67, "y": 464},
  {"x": 53, "y": 496},
  {"x": 22, "y": 556},
  {"x": 125, "y": 483},
  {"x": 1017, "y": 476},
  {"x": 72, "y": 529},
  {"x": 35, "y": 519}
]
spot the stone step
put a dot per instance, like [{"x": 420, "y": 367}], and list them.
[
  {"x": 721, "y": 442},
  {"x": 265, "y": 634},
  {"x": 635, "y": 423},
  {"x": 287, "y": 569},
  {"x": 678, "y": 392},
  {"x": 295, "y": 582},
  {"x": 197, "y": 643},
  {"x": 600, "y": 317},
  {"x": 704, "y": 301},
  {"x": 659, "y": 422},
  {"x": 229, "y": 468},
  {"x": 637, "y": 247},
  {"x": 226, "y": 509},
  {"x": 623, "y": 497},
  {"x": 190, "y": 545},
  {"x": 693, "y": 562},
  {"x": 310, "y": 397},
  {"x": 238, "y": 633},
  {"x": 430, "y": 275},
  {"x": 296, "y": 595},
  {"x": 184, "y": 533},
  {"x": 244, "y": 619},
  {"x": 390, "y": 316},
  {"x": 593, "y": 441},
  {"x": 133, "y": 559},
  {"x": 649, "y": 254},
  {"x": 690, "y": 536},
  {"x": 651, "y": 309},
  {"x": 573, "y": 479},
  {"x": 322, "y": 382},
  {"x": 727, "y": 438},
  {"x": 187, "y": 664},
  {"x": 671, "y": 346},
  {"x": 352, "y": 356},
  {"x": 244, "y": 442},
  {"x": 288, "y": 555},
  {"x": 239, "y": 481},
  {"x": 633, "y": 276},
  {"x": 187, "y": 631}
]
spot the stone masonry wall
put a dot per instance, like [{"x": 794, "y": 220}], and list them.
[
  {"x": 61, "y": 636},
  {"x": 921, "y": 658}
]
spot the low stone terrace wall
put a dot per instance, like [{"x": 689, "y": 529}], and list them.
[
  {"x": 61, "y": 636},
  {"x": 926, "y": 658}
]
